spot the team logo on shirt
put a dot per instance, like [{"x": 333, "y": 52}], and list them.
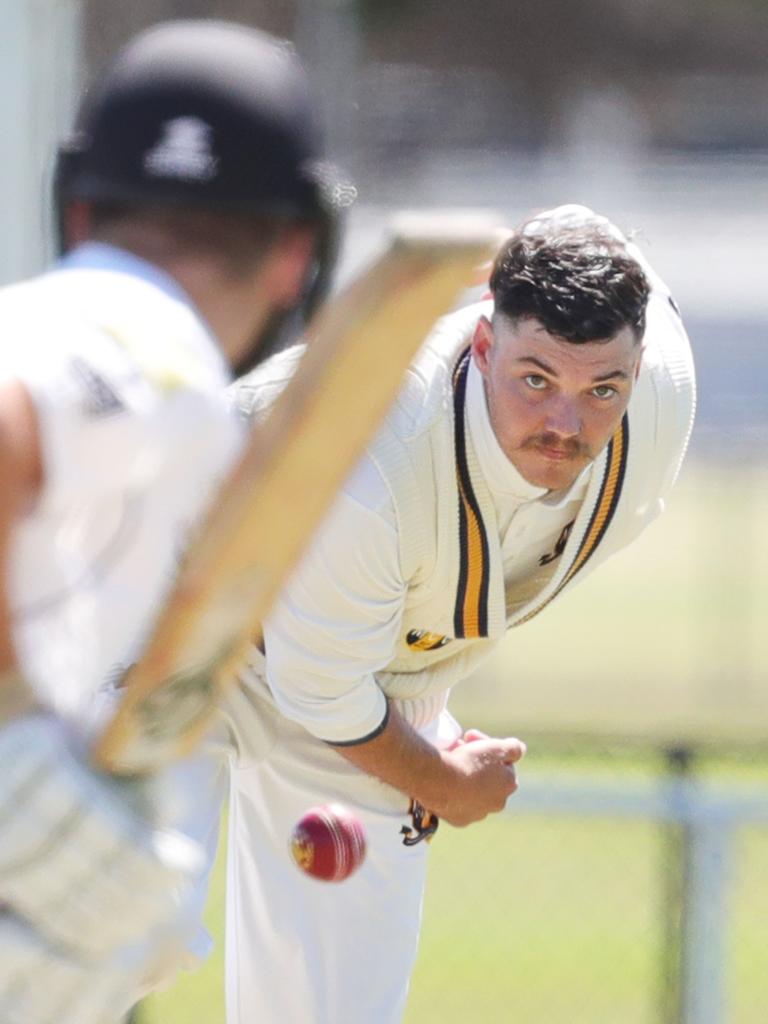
[
  {"x": 423, "y": 640},
  {"x": 100, "y": 398},
  {"x": 183, "y": 151},
  {"x": 562, "y": 540},
  {"x": 423, "y": 825}
]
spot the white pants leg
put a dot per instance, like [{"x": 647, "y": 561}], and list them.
[{"x": 303, "y": 951}]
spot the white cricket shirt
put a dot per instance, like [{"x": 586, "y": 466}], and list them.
[
  {"x": 338, "y": 620},
  {"x": 127, "y": 383}
]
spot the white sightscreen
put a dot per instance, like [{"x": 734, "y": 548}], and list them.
[{"x": 39, "y": 80}]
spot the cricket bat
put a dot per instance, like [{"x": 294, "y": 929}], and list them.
[{"x": 293, "y": 465}]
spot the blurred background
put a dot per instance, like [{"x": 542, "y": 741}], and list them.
[{"x": 629, "y": 880}]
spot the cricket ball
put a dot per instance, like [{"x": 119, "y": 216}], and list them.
[{"x": 328, "y": 842}]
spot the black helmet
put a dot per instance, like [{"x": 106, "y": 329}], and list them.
[{"x": 205, "y": 114}]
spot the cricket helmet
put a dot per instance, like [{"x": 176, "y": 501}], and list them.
[{"x": 205, "y": 114}]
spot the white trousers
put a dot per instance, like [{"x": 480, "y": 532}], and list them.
[{"x": 303, "y": 951}]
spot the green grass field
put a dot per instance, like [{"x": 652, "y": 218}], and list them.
[
  {"x": 561, "y": 920},
  {"x": 556, "y": 920}
]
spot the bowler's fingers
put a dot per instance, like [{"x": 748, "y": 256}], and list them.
[
  {"x": 512, "y": 750},
  {"x": 471, "y": 735}
]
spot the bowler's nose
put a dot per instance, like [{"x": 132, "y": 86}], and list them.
[{"x": 563, "y": 418}]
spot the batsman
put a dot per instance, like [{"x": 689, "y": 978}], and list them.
[
  {"x": 538, "y": 432},
  {"x": 195, "y": 214}
]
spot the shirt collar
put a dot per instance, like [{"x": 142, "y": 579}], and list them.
[{"x": 102, "y": 256}]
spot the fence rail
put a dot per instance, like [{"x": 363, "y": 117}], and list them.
[{"x": 710, "y": 815}]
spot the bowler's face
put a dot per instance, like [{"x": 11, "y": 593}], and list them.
[{"x": 553, "y": 404}]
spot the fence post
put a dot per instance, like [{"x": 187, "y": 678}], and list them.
[
  {"x": 675, "y": 871},
  {"x": 704, "y": 952}
]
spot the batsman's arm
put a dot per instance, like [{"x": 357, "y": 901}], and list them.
[
  {"x": 21, "y": 473},
  {"x": 78, "y": 866}
]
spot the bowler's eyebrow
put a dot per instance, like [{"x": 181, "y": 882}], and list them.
[{"x": 611, "y": 375}]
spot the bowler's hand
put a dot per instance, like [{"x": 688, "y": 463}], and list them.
[
  {"x": 483, "y": 777},
  {"x": 463, "y": 784}
]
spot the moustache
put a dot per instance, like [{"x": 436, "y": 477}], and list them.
[{"x": 571, "y": 447}]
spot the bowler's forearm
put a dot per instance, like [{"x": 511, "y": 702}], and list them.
[
  {"x": 401, "y": 757},
  {"x": 462, "y": 785}
]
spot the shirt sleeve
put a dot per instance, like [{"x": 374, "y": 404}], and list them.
[{"x": 337, "y": 621}]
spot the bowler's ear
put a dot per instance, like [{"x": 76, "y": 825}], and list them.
[
  {"x": 639, "y": 362},
  {"x": 482, "y": 343}
]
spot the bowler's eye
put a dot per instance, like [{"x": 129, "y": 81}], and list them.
[
  {"x": 604, "y": 391},
  {"x": 535, "y": 381}
]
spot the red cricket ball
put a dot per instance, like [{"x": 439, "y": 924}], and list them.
[{"x": 328, "y": 842}]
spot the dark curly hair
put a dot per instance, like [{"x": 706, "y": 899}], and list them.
[{"x": 578, "y": 281}]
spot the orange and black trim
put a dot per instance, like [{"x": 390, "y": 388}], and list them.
[
  {"x": 470, "y": 618},
  {"x": 471, "y": 609},
  {"x": 608, "y": 499},
  {"x": 605, "y": 508}
]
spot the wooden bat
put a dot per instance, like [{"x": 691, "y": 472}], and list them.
[{"x": 293, "y": 465}]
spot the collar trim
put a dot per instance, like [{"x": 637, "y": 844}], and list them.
[
  {"x": 602, "y": 514},
  {"x": 470, "y": 618}
]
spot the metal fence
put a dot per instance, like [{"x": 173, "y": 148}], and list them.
[{"x": 623, "y": 886}]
